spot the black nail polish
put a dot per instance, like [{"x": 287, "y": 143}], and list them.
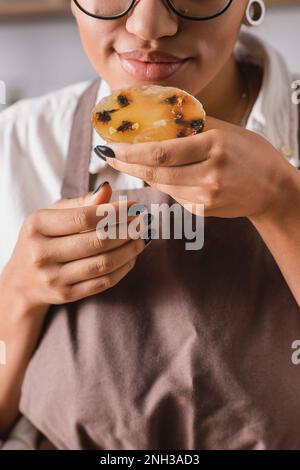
[
  {"x": 148, "y": 238},
  {"x": 102, "y": 151},
  {"x": 148, "y": 218},
  {"x": 100, "y": 186}
]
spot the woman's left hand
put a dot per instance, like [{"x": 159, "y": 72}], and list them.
[{"x": 232, "y": 171}]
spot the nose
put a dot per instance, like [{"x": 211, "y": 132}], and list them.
[{"x": 152, "y": 19}]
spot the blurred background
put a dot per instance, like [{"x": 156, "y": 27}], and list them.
[{"x": 41, "y": 36}]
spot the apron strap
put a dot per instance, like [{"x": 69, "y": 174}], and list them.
[{"x": 76, "y": 179}]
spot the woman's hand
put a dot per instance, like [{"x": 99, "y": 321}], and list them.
[
  {"x": 59, "y": 257},
  {"x": 232, "y": 171}
]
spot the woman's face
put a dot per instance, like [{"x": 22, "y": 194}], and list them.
[{"x": 202, "y": 48}]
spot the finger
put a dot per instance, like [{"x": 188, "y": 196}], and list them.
[
  {"x": 192, "y": 198},
  {"x": 60, "y": 222},
  {"x": 185, "y": 192},
  {"x": 101, "y": 196},
  {"x": 95, "y": 286},
  {"x": 189, "y": 175},
  {"x": 172, "y": 152},
  {"x": 196, "y": 209},
  {"x": 86, "y": 244},
  {"x": 100, "y": 265},
  {"x": 213, "y": 123},
  {"x": 189, "y": 205}
]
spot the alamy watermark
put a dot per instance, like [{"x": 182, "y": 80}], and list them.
[
  {"x": 2, "y": 92},
  {"x": 296, "y": 93},
  {"x": 187, "y": 221},
  {"x": 295, "y": 358},
  {"x": 2, "y": 353}
]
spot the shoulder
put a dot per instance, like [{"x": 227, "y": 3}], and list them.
[
  {"x": 48, "y": 118},
  {"x": 38, "y": 128},
  {"x": 274, "y": 114},
  {"x": 57, "y": 103},
  {"x": 34, "y": 135}
]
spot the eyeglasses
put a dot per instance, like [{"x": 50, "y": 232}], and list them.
[{"x": 198, "y": 10}]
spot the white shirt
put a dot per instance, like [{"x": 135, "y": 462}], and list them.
[{"x": 34, "y": 138}]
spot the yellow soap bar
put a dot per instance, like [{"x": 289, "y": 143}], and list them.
[{"x": 148, "y": 113}]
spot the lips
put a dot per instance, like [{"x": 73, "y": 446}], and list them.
[
  {"x": 150, "y": 56},
  {"x": 150, "y": 65}
]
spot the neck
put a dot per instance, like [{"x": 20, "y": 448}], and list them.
[{"x": 222, "y": 98}]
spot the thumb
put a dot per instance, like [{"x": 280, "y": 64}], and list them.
[{"x": 101, "y": 195}]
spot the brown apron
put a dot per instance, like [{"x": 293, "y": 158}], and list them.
[{"x": 191, "y": 350}]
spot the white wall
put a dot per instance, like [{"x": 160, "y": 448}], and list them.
[
  {"x": 282, "y": 29},
  {"x": 39, "y": 56}
]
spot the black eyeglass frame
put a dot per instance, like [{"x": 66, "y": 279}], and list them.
[{"x": 170, "y": 4}]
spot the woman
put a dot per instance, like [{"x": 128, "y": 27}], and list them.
[{"x": 236, "y": 302}]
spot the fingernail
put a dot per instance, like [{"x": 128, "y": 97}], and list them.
[
  {"x": 100, "y": 186},
  {"x": 102, "y": 151},
  {"x": 148, "y": 238},
  {"x": 148, "y": 218}
]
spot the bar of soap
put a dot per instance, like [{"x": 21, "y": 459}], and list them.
[{"x": 148, "y": 113}]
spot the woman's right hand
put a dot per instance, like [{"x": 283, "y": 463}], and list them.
[{"x": 59, "y": 258}]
